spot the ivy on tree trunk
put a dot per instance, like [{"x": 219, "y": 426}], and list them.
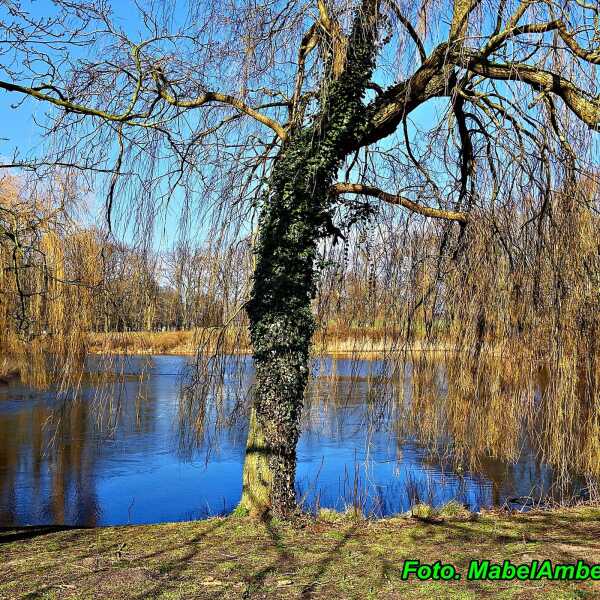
[{"x": 295, "y": 215}]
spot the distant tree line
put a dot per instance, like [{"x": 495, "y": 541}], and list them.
[{"x": 49, "y": 260}]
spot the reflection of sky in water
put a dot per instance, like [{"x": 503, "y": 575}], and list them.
[{"x": 141, "y": 474}]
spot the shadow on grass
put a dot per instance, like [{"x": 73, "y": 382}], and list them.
[
  {"x": 173, "y": 570},
  {"x": 17, "y": 534},
  {"x": 325, "y": 563}
]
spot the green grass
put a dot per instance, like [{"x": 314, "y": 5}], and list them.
[{"x": 334, "y": 556}]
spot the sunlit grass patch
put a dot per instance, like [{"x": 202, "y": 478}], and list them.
[{"x": 326, "y": 557}]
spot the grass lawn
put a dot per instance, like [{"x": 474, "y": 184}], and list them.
[{"x": 332, "y": 557}]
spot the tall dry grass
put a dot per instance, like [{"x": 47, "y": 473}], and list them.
[{"x": 168, "y": 342}]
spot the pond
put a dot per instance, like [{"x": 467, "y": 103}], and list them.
[{"x": 127, "y": 456}]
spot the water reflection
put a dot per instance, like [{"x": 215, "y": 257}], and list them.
[{"x": 375, "y": 436}]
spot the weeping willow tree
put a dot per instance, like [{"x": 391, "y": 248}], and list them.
[
  {"x": 491, "y": 343},
  {"x": 468, "y": 114},
  {"x": 50, "y": 278}
]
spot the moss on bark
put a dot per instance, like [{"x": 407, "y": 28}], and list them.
[{"x": 257, "y": 475}]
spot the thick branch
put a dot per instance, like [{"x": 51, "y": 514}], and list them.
[
  {"x": 587, "y": 108},
  {"x": 309, "y": 41},
  {"x": 368, "y": 190},
  {"x": 499, "y": 39},
  {"x": 460, "y": 17},
  {"x": 591, "y": 56},
  {"x": 337, "y": 40},
  {"x": 433, "y": 78}
]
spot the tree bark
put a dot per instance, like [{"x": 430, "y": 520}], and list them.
[
  {"x": 281, "y": 328},
  {"x": 257, "y": 476}
]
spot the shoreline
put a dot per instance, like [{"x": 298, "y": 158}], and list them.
[{"x": 185, "y": 343}]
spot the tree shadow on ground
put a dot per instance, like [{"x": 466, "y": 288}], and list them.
[
  {"x": 17, "y": 534},
  {"x": 322, "y": 566},
  {"x": 545, "y": 532},
  {"x": 172, "y": 570}
]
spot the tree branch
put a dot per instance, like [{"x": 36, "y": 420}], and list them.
[
  {"x": 208, "y": 97},
  {"x": 591, "y": 56},
  {"x": 35, "y": 92},
  {"x": 386, "y": 112},
  {"x": 129, "y": 116},
  {"x": 368, "y": 190},
  {"x": 309, "y": 41},
  {"x": 587, "y": 108},
  {"x": 409, "y": 28},
  {"x": 460, "y": 17}
]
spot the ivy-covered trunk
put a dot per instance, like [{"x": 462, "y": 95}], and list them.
[
  {"x": 295, "y": 216},
  {"x": 282, "y": 325}
]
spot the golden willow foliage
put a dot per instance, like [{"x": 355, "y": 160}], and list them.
[
  {"x": 64, "y": 288},
  {"x": 49, "y": 278},
  {"x": 493, "y": 330},
  {"x": 521, "y": 317}
]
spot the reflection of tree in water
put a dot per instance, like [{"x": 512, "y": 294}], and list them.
[
  {"x": 486, "y": 416},
  {"x": 218, "y": 418},
  {"x": 505, "y": 423},
  {"x": 50, "y": 447},
  {"x": 501, "y": 420},
  {"x": 47, "y": 464}
]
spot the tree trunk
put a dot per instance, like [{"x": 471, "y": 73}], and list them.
[
  {"x": 257, "y": 476},
  {"x": 281, "y": 328},
  {"x": 295, "y": 215}
]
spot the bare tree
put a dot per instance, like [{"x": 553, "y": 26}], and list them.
[{"x": 246, "y": 105}]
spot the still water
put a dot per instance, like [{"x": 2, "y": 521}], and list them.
[{"x": 125, "y": 457}]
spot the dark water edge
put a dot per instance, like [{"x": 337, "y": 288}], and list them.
[{"x": 122, "y": 455}]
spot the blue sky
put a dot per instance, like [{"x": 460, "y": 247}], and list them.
[{"x": 19, "y": 129}]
